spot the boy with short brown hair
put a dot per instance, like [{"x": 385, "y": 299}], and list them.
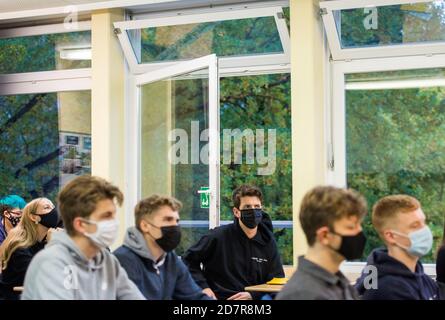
[
  {"x": 76, "y": 263},
  {"x": 331, "y": 220}
]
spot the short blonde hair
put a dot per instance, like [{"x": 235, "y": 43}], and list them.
[{"x": 387, "y": 208}]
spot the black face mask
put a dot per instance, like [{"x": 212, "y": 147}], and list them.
[
  {"x": 251, "y": 217},
  {"x": 171, "y": 237},
  {"x": 351, "y": 246},
  {"x": 49, "y": 220},
  {"x": 14, "y": 220}
]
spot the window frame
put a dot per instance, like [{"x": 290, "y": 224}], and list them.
[
  {"x": 227, "y": 67},
  {"x": 338, "y": 173},
  {"x": 276, "y": 61},
  {"x": 53, "y": 81},
  {"x": 327, "y": 9},
  {"x": 45, "y": 81},
  {"x": 133, "y": 130}
]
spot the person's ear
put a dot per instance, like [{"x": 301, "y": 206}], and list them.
[
  {"x": 145, "y": 227},
  {"x": 35, "y": 218},
  {"x": 6, "y": 213},
  {"x": 388, "y": 237},
  {"x": 236, "y": 212},
  {"x": 79, "y": 225},
  {"x": 322, "y": 235}
]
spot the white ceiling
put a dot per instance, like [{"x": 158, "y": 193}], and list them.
[{"x": 20, "y": 5}]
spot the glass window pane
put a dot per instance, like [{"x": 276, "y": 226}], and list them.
[
  {"x": 174, "y": 150},
  {"x": 255, "y": 120},
  {"x": 286, "y": 11},
  {"x": 394, "y": 142},
  {"x": 46, "y": 52},
  {"x": 45, "y": 141},
  {"x": 391, "y": 25},
  {"x": 224, "y": 38},
  {"x": 189, "y": 236}
]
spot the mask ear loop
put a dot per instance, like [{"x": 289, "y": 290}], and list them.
[
  {"x": 154, "y": 227},
  {"x": 334, "y": 233},
  {"x": 38, "y": 215},
  {"x": 401, "y": 235}
]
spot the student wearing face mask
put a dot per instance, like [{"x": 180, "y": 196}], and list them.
[
  {"x": 400, "y": 223},
  {"x": 240, "y": 254},
  {"x": 147, "y": 253},
  {"x": 76, "y": 264},
  {"x": 23, "y": 242},
  {"x": 331, "y": 220},
  {"x": 11, "y": 208}
]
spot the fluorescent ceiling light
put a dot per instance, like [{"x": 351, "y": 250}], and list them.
[{"x": 75, "y": 54}]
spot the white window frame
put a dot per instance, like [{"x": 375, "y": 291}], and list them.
[
  {"x": 133, "y": 129},
  {"x": 45, "y": 81},
  {"x": 44, "y": 29},
  {"x": 227, "y": 67},
  {"x": 271, "y": 61},
  {"x": 339, "y": 70},
  {"x": 338, "y": 53}
]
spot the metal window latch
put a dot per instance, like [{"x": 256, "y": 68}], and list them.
[
  {"x": 117, "y": 31},
  {"x": 280, "y": 15},
  {"x": 323, "y": 11}
]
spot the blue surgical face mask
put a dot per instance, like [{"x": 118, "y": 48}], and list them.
[{"x": 421, "y": 241}]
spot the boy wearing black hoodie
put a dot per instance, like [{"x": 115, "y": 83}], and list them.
[
  {"x": 400, "y": 222},
  {"x": 237, "y": 255}
]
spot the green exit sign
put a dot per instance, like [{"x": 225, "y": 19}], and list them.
[{"x": 204, "y": 194}]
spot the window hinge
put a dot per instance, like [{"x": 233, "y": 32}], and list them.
[
  {"x": 280, "y": 15},
  {"x": 117, "y": 31},
  {"x": 323, "y": 11}
]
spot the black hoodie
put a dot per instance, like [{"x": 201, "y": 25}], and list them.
[
  {"x": 396, "y": 281},
  {"x": 440, "y": 265},
  {"x": 232, "y": 261}
]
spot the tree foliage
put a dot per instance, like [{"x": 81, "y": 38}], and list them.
[{"x": 395, "y": 145}]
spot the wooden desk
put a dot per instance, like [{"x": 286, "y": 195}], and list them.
[
  {"x": 18, "y": 289},
  {"x": 265, "y": 288}
]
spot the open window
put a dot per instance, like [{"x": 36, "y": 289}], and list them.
[
  {"x": 240, "y": 38},
  {"x": 175, "y": 126},
  {"x": 170, "y": 92},
  {"x": 360, "y": 29}
]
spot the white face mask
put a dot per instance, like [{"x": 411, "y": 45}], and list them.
[{"x": 106, "y": 232}]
